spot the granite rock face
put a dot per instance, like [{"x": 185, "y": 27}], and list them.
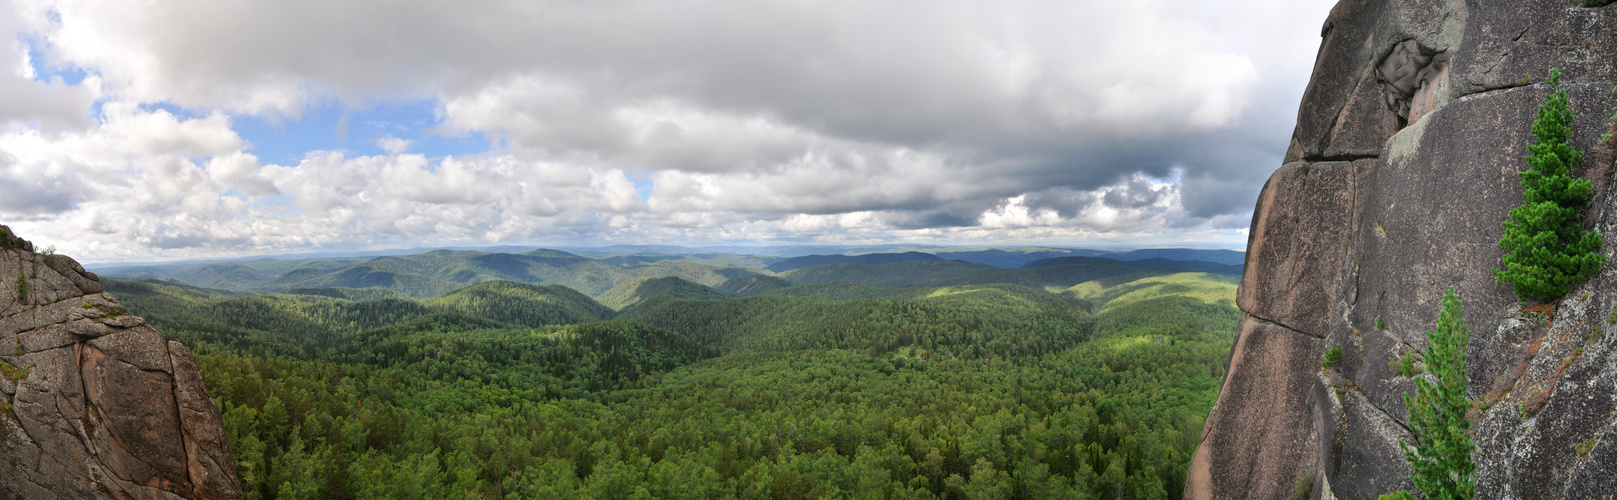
[
  {"x": 1400, "y": 170},
  {"x": 96, "y": 403}
]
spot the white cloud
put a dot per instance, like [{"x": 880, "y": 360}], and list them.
[
  {"x": 25, "y": 100},
  {"x": 848, "y": 120},
  {"x": 393, "y": 145}
]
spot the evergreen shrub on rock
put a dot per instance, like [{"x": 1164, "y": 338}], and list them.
[{"x": 1546, "y": 251}]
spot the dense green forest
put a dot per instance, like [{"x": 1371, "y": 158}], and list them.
[{"x": 1037, "y": 387}]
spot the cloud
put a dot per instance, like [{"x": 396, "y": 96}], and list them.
[
  {"x": 240, "y": 172},
  {"x": 32, "y": 194},
  {"x": 675, "y": 121},
  {"x": 393, "y": 145},
  {"x": 26, "y": 99}
]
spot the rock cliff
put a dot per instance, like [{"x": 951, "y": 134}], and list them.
[
  {"x": 1401, "y": 168},
  {"x": 95, "y": 403}
]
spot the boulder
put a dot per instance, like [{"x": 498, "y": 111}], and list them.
[{"x": 97, "y": 404}]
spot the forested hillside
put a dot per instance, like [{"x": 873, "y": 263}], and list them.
[{"x": 1043, "y": 386}]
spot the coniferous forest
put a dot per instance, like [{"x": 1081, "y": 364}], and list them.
[{"x": 1025, "y": 389}]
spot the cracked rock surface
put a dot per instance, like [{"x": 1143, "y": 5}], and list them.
[
  {"x": 1401, "y": 168},
  {"x": 96, "y": 403}
]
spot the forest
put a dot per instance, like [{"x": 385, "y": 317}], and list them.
[{"x": 669, "y": 388}]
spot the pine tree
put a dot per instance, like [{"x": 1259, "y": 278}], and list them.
[
  {"x": 1441, "y": 458},
  {"x": 1546, "y": 251}
]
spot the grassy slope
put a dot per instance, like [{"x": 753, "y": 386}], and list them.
[{"x": 1206, "y": 287}]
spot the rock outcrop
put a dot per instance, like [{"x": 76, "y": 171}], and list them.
[
  {"x": 1400, "y": 170},
  {"x": 95, "y": 403}
]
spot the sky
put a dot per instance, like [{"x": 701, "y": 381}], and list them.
[{"x": 179, "y": 129}]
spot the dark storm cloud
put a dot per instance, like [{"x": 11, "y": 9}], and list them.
[
  {"x": 1064, "y": 201},
  {"x": 924, "y": 220}
]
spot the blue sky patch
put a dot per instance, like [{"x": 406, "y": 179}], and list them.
[
  {"x": 642, "y": 184},
  {"x": 70, "y": 74},
  {"x": 354, "y": 132}
]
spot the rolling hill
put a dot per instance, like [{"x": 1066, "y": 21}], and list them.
[
  {"x": 438, "y": 272},
  {"x": 1013, "y": 258},
  {"x": 523, "y": 304},
  {"x": 757, "y": 284},
  {"x": 1058, "y": 273},
  {"x": 643, "y": 292},
  {"x": 355, "y": 294},
  {"x": 1225, "y": 257},
  {"x": 243, "y": 275}
]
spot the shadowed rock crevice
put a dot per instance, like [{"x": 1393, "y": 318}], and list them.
[
  {"x": 102, "y": 405},
  {"x": 1486, "y": 92},
  {"x": 1343, "y": 158},
  {"x": 1287, "y": 328}
]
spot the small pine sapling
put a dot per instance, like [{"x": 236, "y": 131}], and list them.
[
  {"x": 1546, "y": 251},
  {"x": 1441, "y": 457},
  {"x": 1404, "y": 364},
  {"x": 1333, "y": 357}
]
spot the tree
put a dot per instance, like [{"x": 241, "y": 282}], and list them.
[
  {"x": 1546, "y": 251},
  {"x": 1441, "y": 458}
]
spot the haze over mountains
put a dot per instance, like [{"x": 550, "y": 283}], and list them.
[{"x": 437, "y": 272}]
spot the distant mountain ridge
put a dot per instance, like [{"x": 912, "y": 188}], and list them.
[
  {"x": 434, "y": 273},
  {"x": 1153, "y": 261},
  {"x": 1226, "y": 257},
  {"x": 439, "y": 272},
  {"x": 753, "y": 285},
  {"x": 869, "y": 258},
  {"x": 1060, "y": 272},
  {"x": 1009, "y": 259}
]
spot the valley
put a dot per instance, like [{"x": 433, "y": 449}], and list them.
[{"x": 549, "y": 374}]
